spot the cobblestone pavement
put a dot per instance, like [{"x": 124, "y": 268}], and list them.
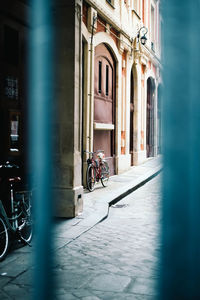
[{"x": 116, "y": 259}]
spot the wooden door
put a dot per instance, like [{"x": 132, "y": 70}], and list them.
[{"x": 104, "y": 104}]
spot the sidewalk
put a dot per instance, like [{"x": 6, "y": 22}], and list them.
[{"x": 96, "y": 204}]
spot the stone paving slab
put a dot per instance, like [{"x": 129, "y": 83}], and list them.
[{"x": 109, "y": 282}]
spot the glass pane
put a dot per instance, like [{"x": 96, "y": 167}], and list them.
[{"x": 14, "y": 133}]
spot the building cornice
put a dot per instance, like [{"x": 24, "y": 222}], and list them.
[{"x": 124, "y": 36}]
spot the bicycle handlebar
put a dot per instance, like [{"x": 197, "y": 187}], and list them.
[
  {"x": 8, "y": 165},
  {"x": 93, "y": 151}
]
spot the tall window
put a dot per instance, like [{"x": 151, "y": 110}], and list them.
[
  {"x": 107, "y": 80},
  {"x": 152, "y": 27},
  {"x": 100, "y": 75}
]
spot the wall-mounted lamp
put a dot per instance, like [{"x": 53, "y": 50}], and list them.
[{"x": 142, "y": 35}]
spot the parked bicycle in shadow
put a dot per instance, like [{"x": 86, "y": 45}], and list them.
[{"x": 15, "y": 209}]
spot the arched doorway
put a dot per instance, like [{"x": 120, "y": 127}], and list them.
[
  {"x": 150, "y": 117},
  {"x": 131, "y": 117},
  {"x": 104, "y": 104}
]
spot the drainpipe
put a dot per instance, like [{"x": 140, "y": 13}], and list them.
[{"x": 91, "y": 86}]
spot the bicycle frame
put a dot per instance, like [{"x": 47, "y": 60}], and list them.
[
  {"x": 12, "y": 222},
  {"x": 96, "y": 163},
  {"x": 15, "y": 212},
  {"x": 4, "y": 214},
  {"x": 97, "y": 170}
]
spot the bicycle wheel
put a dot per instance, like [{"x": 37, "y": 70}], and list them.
[
  {"x": 4, "y": 239},
  {"x": 25, "y": 220},
  {"x": 91, "y": 175},
  {"x": 104, "y": 173}
]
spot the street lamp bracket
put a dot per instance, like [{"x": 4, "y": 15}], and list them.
[{"x": 141, "y": 36}]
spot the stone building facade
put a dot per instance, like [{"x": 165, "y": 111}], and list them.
[
  {"x": 107, "y": 87},
  {"x": 132, "y": 132}
]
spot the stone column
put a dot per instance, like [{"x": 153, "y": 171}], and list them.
[
  {"x": 118, "y": 113},
  {"x": 68, "y": 105},
  {"x": 139, "y": 152}
]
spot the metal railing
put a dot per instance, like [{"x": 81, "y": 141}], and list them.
[
  {"x": 40, "y": 144},
  {"x": 180, "y": 259}
]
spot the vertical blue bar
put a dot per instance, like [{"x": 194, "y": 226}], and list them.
[
  {"x": 180, "y": 258},
  {"x": 40, "y": 146}
]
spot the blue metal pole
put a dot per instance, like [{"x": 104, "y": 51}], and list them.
[
  {"x": 180, "y": 259},
  {"x": 40, "y": 145}
]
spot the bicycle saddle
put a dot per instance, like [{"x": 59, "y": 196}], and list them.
[{"x": 14, "y": 179}]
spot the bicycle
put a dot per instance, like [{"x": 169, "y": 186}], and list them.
[
  {"x": 96, "y": 170},
  {"x": 15, "y": 211}
]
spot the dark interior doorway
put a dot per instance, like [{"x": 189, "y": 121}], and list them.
[
  {"x": 83, "y": 107},
  {"x": 132, "y": 117},
  {"x": 150, "y": 140},
  {"x": 159, "y": 116}
]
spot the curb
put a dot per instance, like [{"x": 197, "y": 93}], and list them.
[
  {"x": 134, "y": 188},
  {"x": 129, "y": 191}
]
